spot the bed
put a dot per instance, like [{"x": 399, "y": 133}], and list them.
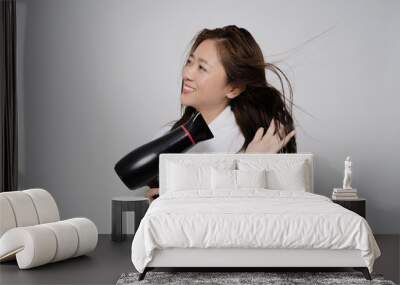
[{"x": 244, "y": 211}]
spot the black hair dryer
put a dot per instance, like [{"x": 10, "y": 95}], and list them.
[{"x": 140, "y": 166}]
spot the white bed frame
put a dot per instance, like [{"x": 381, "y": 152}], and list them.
[{"x": 241, "y": 258}]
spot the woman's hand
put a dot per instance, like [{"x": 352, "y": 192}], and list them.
[
  {"x": 269, "y": 143},
  {"x": 152, "y": 194}
]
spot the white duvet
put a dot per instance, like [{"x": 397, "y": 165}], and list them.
[{"x": 251, "y": 218}]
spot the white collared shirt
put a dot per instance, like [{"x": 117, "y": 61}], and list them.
[{"x": 227, "y": 135}]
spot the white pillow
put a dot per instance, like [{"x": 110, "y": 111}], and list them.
[
  {"x": 182, "y": 178},
  {"x": 251, "y": 178},
  {"x": 291, "y": 178},
  {"x": 223, "y": 179},
  {"x": 187, "y": 174},
  {"x": 229, "y": 179},
  {"x": 281, "y": 174}
]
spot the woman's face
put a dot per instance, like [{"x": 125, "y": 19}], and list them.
[{"x": 204, "y": 78}]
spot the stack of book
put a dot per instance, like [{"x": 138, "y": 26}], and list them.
[{"x": 344, "y": 194}]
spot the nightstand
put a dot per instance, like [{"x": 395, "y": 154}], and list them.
[
  {"x": 122, "y": 204},
  {"x": 356, "y": 205}
]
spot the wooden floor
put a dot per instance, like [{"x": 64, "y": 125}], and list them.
[{"x": 111, "y": 259}]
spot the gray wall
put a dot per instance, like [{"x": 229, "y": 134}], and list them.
[{"x": 98, "y": 78}]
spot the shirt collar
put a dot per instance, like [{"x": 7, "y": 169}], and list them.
[{"x": 224, "y": 119}]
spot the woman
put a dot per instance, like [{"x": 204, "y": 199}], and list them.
[{"x": 224, "y": 79}]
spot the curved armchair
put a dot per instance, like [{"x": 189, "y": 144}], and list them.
[{"x": 31, "y": 231}]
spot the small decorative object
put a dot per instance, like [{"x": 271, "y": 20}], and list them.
[
  {"x": 347, "y": 174},
  {"x": 347, "y": 192}
]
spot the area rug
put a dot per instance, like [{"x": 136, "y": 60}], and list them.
[{"x": 229, "y": 278}]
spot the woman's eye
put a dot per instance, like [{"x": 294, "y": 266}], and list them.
[{"x": 201, "y": 67}]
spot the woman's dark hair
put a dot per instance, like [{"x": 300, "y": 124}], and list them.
[{"x": 244, "y": 65}]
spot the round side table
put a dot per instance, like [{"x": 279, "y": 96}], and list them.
[{"x": 123, "y": 204}]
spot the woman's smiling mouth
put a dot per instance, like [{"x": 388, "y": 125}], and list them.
[{"x": 187, "y": 89}]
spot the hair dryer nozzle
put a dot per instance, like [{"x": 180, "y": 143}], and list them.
[
  {"x": 198, "y": 128},
  {"x": 140, "y": 166}
]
